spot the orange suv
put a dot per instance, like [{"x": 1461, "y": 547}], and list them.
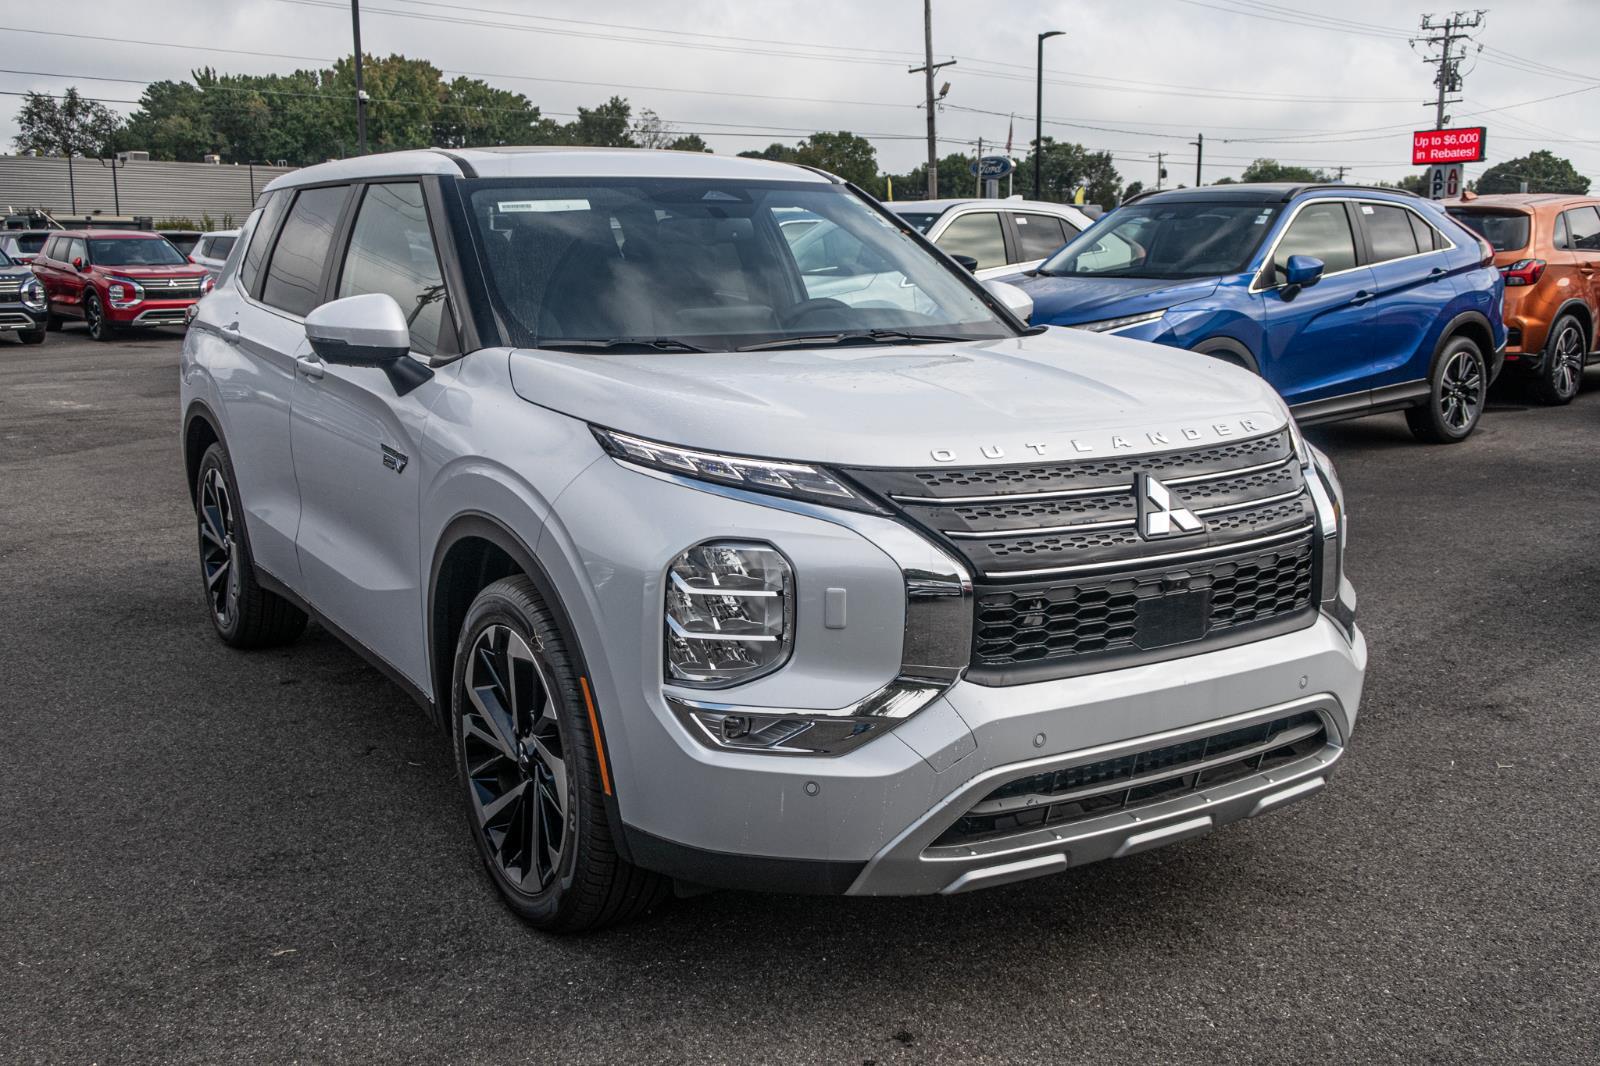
[{"x": 1547, "y": 246}]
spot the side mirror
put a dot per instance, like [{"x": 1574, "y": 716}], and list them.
[
  {"x": 368, "y": 330},
  {"x": 966, "y": 261},
  {"x": 1301, "y": 272},
  {"x": 78, "y": 264},
  {"x": 1017, "y": 302}
]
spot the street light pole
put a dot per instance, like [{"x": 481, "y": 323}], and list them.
[
  {"x": 361, "y": 93},
  {"x": 1038, "y": 110}
]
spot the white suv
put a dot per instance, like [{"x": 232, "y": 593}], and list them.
[
  {"x": 716, "y": 570},
  {"x": 994, "y": 238}
]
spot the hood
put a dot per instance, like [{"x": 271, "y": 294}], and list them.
[
  {"x": 13, "y": 272},
  {"x": 1066, "y": 301},
  {"x": 1058, "y": 395}
]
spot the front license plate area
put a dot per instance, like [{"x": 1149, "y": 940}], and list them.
[{"x": 1175, "y": 618}]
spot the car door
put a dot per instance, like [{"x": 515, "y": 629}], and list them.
[
  {"x": 74, "y": 279},
  {"x": 978, "y": 234},
  {"x": 264, "y": 332},
  {"x": 355, "y": 438},
  {"x": 47, "y": 267},
  {"x": 1412, "y": 291},
  {"x": 1314, "y": 337},
  {"x": 1583, "y": 241}
]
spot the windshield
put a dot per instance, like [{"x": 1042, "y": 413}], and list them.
[
  {"x": 920, "y": 220},
  {"x": 1166, "y": 240},
  {"x": 1505, "y": 231},
  {"x": 701, "y": 264},
  {"x": 134, "y": 251}
]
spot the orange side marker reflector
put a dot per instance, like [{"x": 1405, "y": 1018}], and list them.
[{"x": 599, "y": 744}]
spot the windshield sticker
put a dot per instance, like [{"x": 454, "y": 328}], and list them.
[
  {"x": 1261, "y": 219},
  {"x": 1366, "y": 210},
  {"x": 508, "y": 206}
]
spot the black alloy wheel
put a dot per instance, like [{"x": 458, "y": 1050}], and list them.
[
  {"x": 94, "y": 316},
  {"x": 219, "y": 550},
  {"x": 1562, "y": 375},
  {"x": 1456, "y": 395},
  {"x": 515, "y": 760}
]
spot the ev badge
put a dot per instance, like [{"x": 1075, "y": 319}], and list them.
[{"x": 1158, "y": 517}]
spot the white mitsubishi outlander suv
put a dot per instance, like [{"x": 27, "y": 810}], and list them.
[{"x": 721, "y": 571}]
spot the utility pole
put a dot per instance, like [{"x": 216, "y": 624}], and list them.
[
  {"x": 116, "y": 163},
  {"x": 361, "y": 92},
  {"x": 1445, "y": 36},
  {"x": 979, "y": 187},
  {"x": 1161, "y": 170},
  {"x": 1038, "y": 109},
  {"x": 1199, "y": 155},
  {"x": 1341, "y": 172},
  {"x": 927, "y": 69}
]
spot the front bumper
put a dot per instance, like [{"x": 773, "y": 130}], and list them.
[
  {"x": 151, "y": 313},
  {"x": 16, "y": 318},
  {"x": 867, "y": 823}
]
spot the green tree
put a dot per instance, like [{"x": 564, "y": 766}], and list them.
[
  {"x": 955, "y": 179},
  {"x": 651, "y": 131},
  {"x": 1134, "y": 189},
  {"x": 72, "y": 126},
  {"x": 843, "y": 153},
  {"x": 689, "y": 142},
  {"x": 778, "y": 153},
  {"x": 1272, "y": 170},
  {"x": 1544, "y": 171},
  {"x": 473, "y": 114},
  {"x": 605, "y": 126},
  {"x": 1064, "y": 167}
]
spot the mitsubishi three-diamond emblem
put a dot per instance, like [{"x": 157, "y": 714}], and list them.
[{"x": 1159, "y": 515}]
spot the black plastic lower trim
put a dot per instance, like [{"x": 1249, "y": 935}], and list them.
[{"x": 749, "y": 873}]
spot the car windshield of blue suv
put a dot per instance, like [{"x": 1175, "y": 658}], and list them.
[
  {"x": 1195, "y": 239},
  {"x": 689, "y": 265},
  {"x": 134, "y": 251}
]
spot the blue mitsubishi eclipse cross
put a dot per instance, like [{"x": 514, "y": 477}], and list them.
[{"x": 1348, "y": 300}]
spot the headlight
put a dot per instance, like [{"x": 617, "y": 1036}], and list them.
[
  {"x": 208, "y": 284},
  {"x": 729, "y": 613},
  {"x": 1106, "y": 325},
  {"x": 33, "y": 295},
  {"x": 799, "y": 481},
  {"x": 124, "y": 292}
]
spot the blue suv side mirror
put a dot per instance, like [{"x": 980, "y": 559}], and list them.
[{"x": 1301, "y": 271}]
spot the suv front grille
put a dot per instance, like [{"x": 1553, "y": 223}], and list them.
[
  {"x": 1064, "y": 577},
  {"x": 1129, "y": 782},
  {"x": 162, "y": 287}
]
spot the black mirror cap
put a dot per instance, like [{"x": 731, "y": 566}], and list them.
[
  {"x": 966, "y": 261},
  {"x": 404, "y": 373}
]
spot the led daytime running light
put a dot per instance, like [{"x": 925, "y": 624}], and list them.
[
  {"x": 757, "y": 475},
  {"x": 1106, "y": 325}
]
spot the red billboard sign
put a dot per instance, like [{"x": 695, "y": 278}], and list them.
[{"x": 1433, "y": 147}]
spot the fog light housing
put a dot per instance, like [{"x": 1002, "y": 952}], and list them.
[{"x": 729, "y": 614}]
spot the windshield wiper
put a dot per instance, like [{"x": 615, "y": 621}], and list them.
[
  {"x": 870, "y": 336},
  {"x": 612, "y": 344}
]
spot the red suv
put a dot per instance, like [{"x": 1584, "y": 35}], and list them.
[{"x": 114, "y": 279}]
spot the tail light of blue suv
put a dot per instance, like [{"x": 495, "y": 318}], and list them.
[{"x": 1523, "y": 272}]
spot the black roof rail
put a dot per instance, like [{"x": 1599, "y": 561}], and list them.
[{"x": 1341, "y": 186}]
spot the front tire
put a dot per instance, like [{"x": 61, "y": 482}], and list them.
[
  {"x": 32, "y": 336},
  {"x": 94, "y": 316},
  {"x": 531, "y": 782},
  {"x": 1559, "y": 380},
  {"x": 1455, "y": 395},
  {"x": 244, "y": 614}
]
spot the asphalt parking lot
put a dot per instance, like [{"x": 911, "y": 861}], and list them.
[{"x": 212, "y": 856}]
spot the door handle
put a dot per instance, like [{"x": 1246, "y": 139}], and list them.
[
  {"x": 1361, "y": 297},
  {"x": 1436, "y": 272},
  {"x": 230, "y": 333},
  {"x": 310, "y": 366}
]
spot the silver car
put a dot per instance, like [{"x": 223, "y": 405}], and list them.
[
  {"x": 212, "y": 249},
  {"x": 722, "y": 569}
]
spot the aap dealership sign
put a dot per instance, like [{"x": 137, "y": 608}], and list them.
[{"x": 1438, "y": 147}]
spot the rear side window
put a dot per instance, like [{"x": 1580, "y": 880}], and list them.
[
  {"x": 52, "y": 248},
  {"x": 1562, "y": 238},
  {"x": 1321, "y": 231},
  {"x": 977, "y": 235},
  {"x": 1040, "y": 235},
  {"x": 294, "y": 273},
  {"x": 1504, "y": 230},
  {"x": 1427, "y": 236},
  {"x": 256, "y": 255},
  {"x": 1583, "y": 223},
  {"x": 391, "y": 251},
  {"x": 220, "y": 247},
  {"x": 1389, "y": 232}
]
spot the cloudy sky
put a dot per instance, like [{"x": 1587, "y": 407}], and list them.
[{"x": 1321, "y": 84}]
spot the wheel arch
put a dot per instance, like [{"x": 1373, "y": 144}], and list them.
[
  {"x": 1585, "y": 316},
  {"x": 1475, "y": 326},
  {"x": 200, "y": 430},
  {"x": 1229, "y": 349}
]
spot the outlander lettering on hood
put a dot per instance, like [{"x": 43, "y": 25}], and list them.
[{"x": 1103, "y": 443}]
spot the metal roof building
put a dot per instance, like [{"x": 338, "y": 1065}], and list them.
[{"x": 142, "y": 187}]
